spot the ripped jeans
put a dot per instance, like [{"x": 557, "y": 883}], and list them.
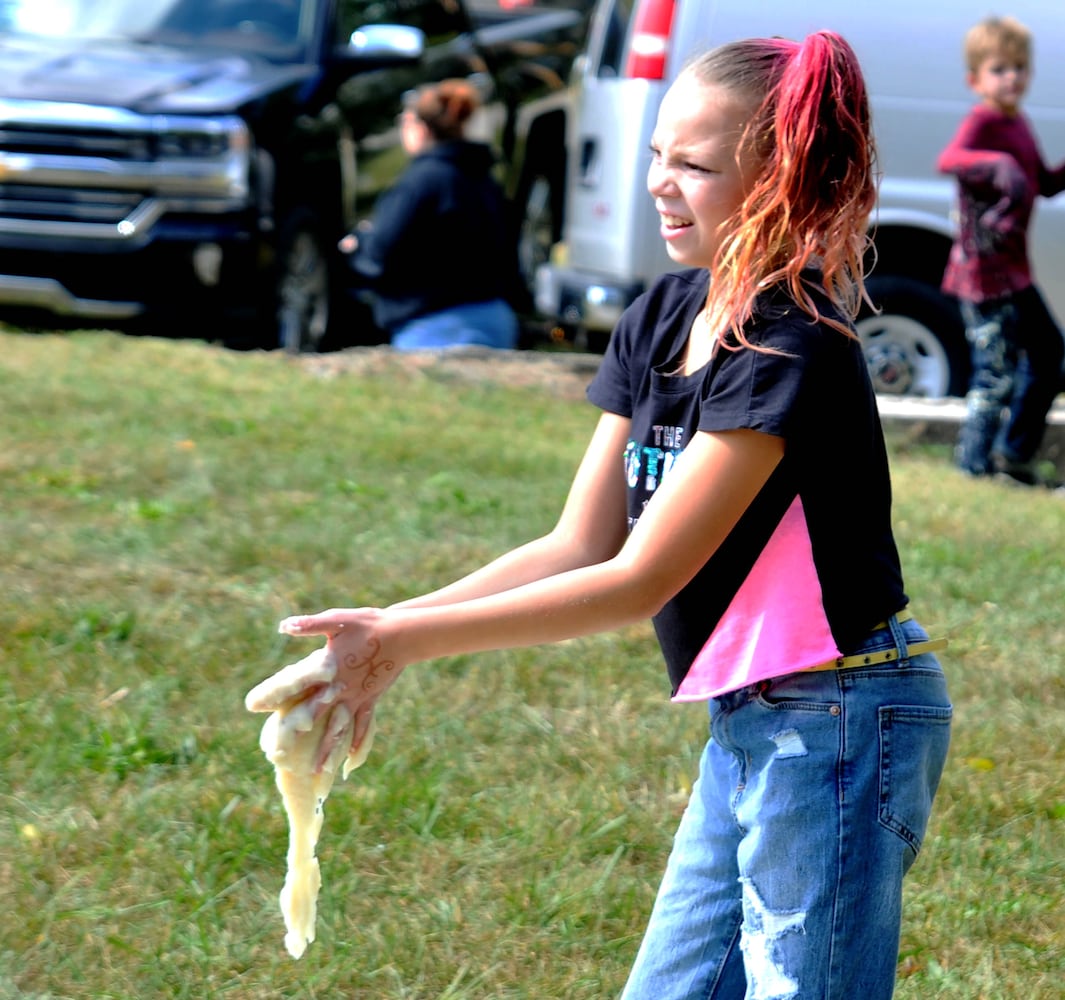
[{"x": 785, "y": 879}]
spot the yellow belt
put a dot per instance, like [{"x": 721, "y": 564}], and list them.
[
  {"x": 904, "y": 615},
  {"x": 883, "y": 655}
]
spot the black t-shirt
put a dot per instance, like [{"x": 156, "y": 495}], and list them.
[{"x": 812, "y": 565}]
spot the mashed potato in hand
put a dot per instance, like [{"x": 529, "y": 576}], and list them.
[{"x": 291, "y": 738}]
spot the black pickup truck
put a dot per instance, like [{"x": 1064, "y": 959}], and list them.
[{"x": 194, "y": 162}]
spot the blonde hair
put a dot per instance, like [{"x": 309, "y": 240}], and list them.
[
  {"x": 810, "y": 132},
  {"x": 995, "y": 37}
]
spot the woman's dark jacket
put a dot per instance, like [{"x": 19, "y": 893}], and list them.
[{"x": 439, "y": 237}]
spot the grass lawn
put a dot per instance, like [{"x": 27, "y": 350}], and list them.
[{"x": 165, "y": 503}]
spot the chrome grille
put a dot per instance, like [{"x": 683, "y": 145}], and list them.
[
  {"x": 60, "y": 204},
  {"x": 92, "y": 173},
  {"x": 105, "y": 143}
]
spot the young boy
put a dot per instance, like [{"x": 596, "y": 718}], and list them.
[{"x": 1017, "y": 348}]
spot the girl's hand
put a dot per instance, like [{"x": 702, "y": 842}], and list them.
[{"x": 364, "y": 669}]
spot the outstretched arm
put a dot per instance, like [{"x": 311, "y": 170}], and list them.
[
  {"x": 993, "y": 172},
  {"x": 974, "y": 160},
  {"x": 545, "y": 597}
]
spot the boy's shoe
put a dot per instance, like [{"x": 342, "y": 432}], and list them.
[
  {"x": 1020, "y": 472},
  {"x": 972, "y": 471}
]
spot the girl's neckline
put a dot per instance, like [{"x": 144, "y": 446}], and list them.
[
  {"x": 682, "y": 362},
  {"x": 692, "y": 357}
]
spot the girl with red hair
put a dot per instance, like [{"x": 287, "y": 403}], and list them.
[{"x": 736, "y": 490}]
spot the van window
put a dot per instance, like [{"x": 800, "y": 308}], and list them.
[{"x": 615, "y": 34}]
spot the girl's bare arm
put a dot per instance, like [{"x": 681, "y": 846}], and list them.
[{"x": 709, "y": 487}]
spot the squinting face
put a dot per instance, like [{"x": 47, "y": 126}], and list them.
[
  {"x": 1001, "y": 81},
  {"x": 694, "y": 178}
]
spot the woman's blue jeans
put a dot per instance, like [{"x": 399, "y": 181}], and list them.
[
  {"x": 785, "y": 879},
  {"x": 489, "y": 324}
]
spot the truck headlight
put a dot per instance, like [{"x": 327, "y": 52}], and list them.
[{"x": 213, "y": 150}]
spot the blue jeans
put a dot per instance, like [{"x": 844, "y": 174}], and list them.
[
  {"x": 489, "y": 324},
  {"x": 1017, "y": 353},
  {"x": 785, "y": 879}
]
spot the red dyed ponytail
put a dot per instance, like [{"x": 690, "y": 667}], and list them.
[{"x": 809, "y": 206}]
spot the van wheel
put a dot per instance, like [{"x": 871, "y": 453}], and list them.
[
  {"x": 916, "y": 345},
  {"x": 302, "y": 297}
]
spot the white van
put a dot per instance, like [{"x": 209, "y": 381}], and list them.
[{"x": 911, "y": 53}]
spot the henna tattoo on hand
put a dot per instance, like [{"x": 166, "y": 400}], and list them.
[{"x": 352, "y": 662}]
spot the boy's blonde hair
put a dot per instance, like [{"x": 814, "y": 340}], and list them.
[{"x": 997, "y": 37}]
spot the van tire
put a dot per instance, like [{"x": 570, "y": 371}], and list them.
[{"x": 915, "y": 345}]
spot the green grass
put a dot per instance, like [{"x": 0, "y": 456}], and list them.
[{"x": 165, "y": 503}]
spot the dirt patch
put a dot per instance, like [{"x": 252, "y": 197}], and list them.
[{"x": 562, "y": 374}]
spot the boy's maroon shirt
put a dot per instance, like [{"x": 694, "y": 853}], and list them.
[{"x": 1000, "y": 171}]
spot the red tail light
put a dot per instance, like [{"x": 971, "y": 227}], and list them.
[{"x": 650, "y": 40}]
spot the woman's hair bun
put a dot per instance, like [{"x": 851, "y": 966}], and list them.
[{"x": 445, "y": 107}]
